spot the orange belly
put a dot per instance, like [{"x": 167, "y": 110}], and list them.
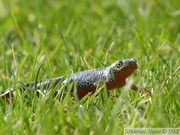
[{"x": 82, "y": 92}]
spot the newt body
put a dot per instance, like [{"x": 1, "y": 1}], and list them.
[{"x": 113, "y": 77}]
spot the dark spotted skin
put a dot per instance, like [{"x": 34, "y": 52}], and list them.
[
  {"x": 87, "y": 79},
  {"x": 113, "y": 76}
]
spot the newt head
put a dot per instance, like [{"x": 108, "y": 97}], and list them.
[
  {"x": 120, "y": 70},
  {"x": 127, "y": 65}
]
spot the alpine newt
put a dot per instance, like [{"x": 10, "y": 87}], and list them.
[{"x": 86, "y": 81}]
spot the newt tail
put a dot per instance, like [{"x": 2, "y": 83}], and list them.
[{"x": 86, "y": 81}]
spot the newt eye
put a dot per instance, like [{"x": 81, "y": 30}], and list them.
[{"x": 119, "y": 64}]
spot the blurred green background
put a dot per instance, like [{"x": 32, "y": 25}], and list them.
[{"x": 70, "y": 30}]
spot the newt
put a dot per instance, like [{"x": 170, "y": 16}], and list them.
[{"x": 86, "y": 81}]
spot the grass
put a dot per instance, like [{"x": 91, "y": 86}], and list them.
[{"x": 45, "y": 39}]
